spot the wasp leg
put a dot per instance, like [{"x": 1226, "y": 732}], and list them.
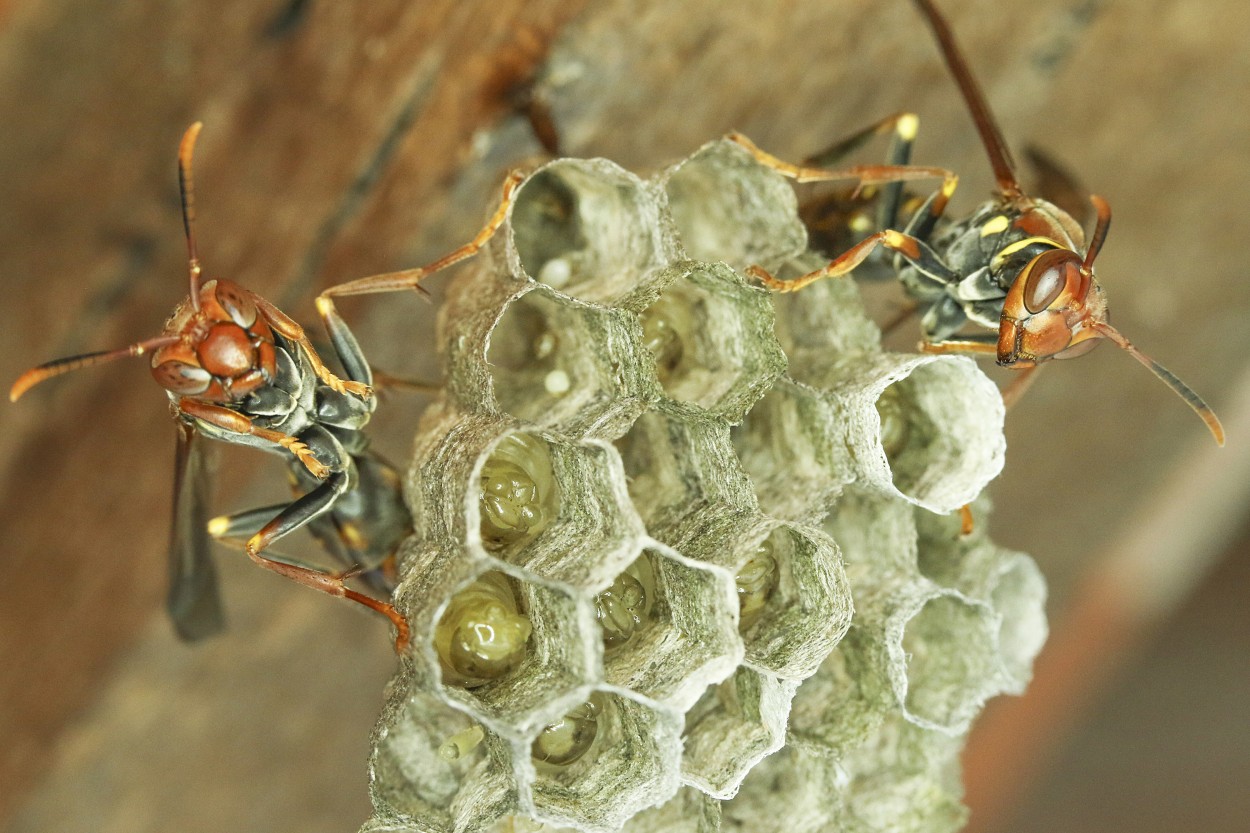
[
  {"x": 384, "y": 380},
  {"x": 863, "y": 174},
  {"x": 903, "y": 128},
  {"x": 229, "y": 420},
  {"x": 235, "y": 529},
  {"x": 410, "y": 278},
  {"x": 291, "y": 329},
  {"x": 913, "y": 251},
  {"x": 910, "y": 246},
  {"x": 1016, "y": 387},
  {"x": 942, "y": 348},
  {"x": 345, "y": 345},
  {"x": 295, "y": 515},
  {"x": 1026, "y": 374},
  {"x": 966, "y": 523}
]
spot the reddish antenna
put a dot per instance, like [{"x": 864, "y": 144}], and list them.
[
  {"x": 1104, "y": 329},
  {"x": 995, "y": 146},
  {"x": 47, "y": 370},
  {"x": 1100, "y": 230},
  {"x": 1193, "y": 400},
  {"x": 186, "y": 189}
]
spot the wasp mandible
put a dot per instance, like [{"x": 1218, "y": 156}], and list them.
[
  {"x": 1018, "y": 265},
  {"x": 239, "y": 370}
]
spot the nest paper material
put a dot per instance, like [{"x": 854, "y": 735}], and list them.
[{"x": 683, "y": 557}]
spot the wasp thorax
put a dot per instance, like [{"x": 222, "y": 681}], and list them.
[
  {"x": 756, "y": 581},
  {"x": 518, "y": 492},
  {"x": 624, "y": 608},
  {"x": 570, "y": 738},
  {"x": 893, "y": 407},
  {"x": 483, "y": 635}
]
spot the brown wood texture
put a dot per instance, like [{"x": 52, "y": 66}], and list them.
[
  {"x": 344, "y": 139},
  {"x": 300, "y": 122}
]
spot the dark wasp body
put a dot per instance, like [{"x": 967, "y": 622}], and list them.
[
  {"x": 356, "y": 512},
  {"x": 239, "y": 370},
  {"x": 1019, "y": 265}
]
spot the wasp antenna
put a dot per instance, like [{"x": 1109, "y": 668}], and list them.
[
  {"x": 1100, "y": 230},
  {"x": 995, "y": 146},
  {"x": 187, "y": 189},
  {"x": 56, "y": 367},
  {"x": 1193, "y": 400}
]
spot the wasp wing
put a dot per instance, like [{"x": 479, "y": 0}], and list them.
[
  {"x": 194, "y": 603},
  {"x": 1058, "y": 185}
]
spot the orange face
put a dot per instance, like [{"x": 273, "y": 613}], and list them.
[
  {"x": 225, "y": 349},
  {"x": 1050, "y": 310}
]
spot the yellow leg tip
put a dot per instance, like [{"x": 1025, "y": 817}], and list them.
[{"x": 908, "y": 126}]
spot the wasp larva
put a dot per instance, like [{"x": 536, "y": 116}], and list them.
[
  {"x": 662, "y": 337},
  {"x": 756, "y": 581},
  {"x": 461, "y": 743},
  {"x": 624, "y": 608},
  {"x": 482, "y": 635},
  {"x": 569, "y": 738},
  {"x": 518, "y": 493}
]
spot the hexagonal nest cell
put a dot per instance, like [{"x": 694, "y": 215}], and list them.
[
  {"x": 557, "y": 363},
  {"x": 606, "y": 759},
  {"x": 676, "y": 565},
  {"x": 585, "y": 227},
  {"x": 668, "y": 628},
  {"x": 710, "y": 336}
]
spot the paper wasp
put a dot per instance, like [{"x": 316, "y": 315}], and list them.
[
  {"x": 239, "y": 370},
  {"x": 1015, "y": 266}
]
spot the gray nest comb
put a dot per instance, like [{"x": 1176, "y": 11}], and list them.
[{"x": 684, "y": 558}]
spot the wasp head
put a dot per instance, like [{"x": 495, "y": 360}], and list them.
[
  {"x": 1056, "y": 310},
  {"x": 1052, "y": 311},
  {"x": 225, "y": 348}
]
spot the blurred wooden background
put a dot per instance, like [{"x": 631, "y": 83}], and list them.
[{"x": 344, "y": 139}]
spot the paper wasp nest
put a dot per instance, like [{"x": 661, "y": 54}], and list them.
[{"x": 683, "y": 556}]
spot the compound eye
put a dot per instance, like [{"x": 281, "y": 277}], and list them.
[
  {"x": 1047, "y": 276},
  {"x": 237, "y": 304},
  {"x": 182, "y": 378}
]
